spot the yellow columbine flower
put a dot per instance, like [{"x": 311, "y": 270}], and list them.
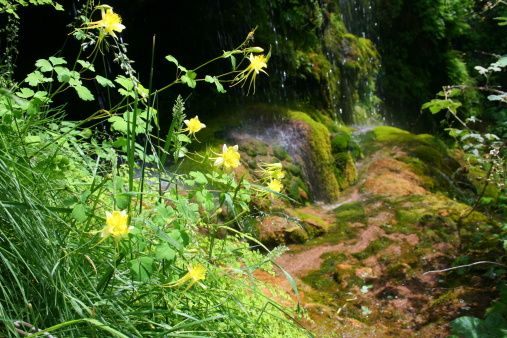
[
  {"x": 194, "y": 275},
  {"x": 110, "y": 22},
  {"x": 257, "y": 62},
  {"x": 229, "y": 157},
  {"x": 272, "y": 171},
  {"x": 276, "y": 186},
  {"x": 193, "y": 125},
  {"x": 116, "y": 226}
]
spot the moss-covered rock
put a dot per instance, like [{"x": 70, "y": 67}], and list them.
[{"x": 318, "y": 158}]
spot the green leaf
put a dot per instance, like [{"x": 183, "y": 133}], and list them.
[
  {"x": 502, "y": 19},
  {"x": 70, "y": 202},
  {"x": 84, "y": 93},
  {"x": 199, "y": 177},
  {"x": 180, "y": 237},
  {"x": 164, "y": 251},
  {"x": 233, "y": 62},
  {"x": 206, "y": 198},
  {"x": 31, "y": 139},
  {"x": 453, "y": 132},
  {"x": 25, "y": 93},
  {"x": 189, "y": 211},
  {"x": 183, "y": 138},
  {"x": 142, "y": 268},
  {"x": 496, "y": 325},
  {"x": 118, "y": 123},
  {"x": 42, "y": 95},
  {"x": 44, "y": 65},
  {"x": 79, "y": 212},
  {"x": 124, "y": 82},
  {"x": 57, "y": 6},
  {"x": 84, "y": 196},
  {"x": 34, "y": 106},
  {"x": 104, "y": 81},
  {"x": 75, "y": 78},
  {"x": 217, "y": 83},
  {"x": 172, "y": 59},
  {"x": 36, "y": 77},
  {"x": 120, "y": 141},
  {"x": 57, "y": 61},
  {"x": 435, "y": 109},
  {"x": 122, "y": 201},
  {"x": 189, "y": 78},
  {"x": 63, "y": 74},
  {"x": 86, "y": 65}
]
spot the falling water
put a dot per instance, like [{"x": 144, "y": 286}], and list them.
[{"x": 359, "y": 19}]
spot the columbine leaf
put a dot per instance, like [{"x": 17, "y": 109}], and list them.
[
  {"x": 142, "y": 268},
  {"x": 104, "y": 82},
  {"x": 44, "y": 65},
  {"x": 86, "y": 65},
  {"x": 57, "y": 6},
  {"x": 35, "y": 78},
  {"x": 199, "y": 177},
  {"x": 63, "y": 74},
  {"x": 189, "y": 78},
  {"x": 25, "y": 93},
  {"x": 33, "y": 106},
  {"x": 84, "y": 93},
  {"x": 172, "y": 59},
  {"x": 217, "y": 83},
  {"x": 57, "y": 61},
  {"x": 124, "y": 82},
  {"x": 184, "y": 138},
  {"x": 164, "y": 251},
  {"x": 42, "y": 95},
  {"x": 118, "y": 123},
  {"x": 233, "y": 62},
  {"x": 205, "y": 197},
  {"x": 79, "y": 212},
  {"x": 75, "y": 78}
]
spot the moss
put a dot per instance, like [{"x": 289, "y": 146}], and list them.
[
  {"x": 320, "y": 161},
  {"x": 297, "y": 190},
  {"x": 430, "y": 156},
  {"x": 324, "y": 278},
  {"x": 344, "y": 163},
  {"x": 350, "y": 212},
  {"x": 293, "y": 169},
  {"x": 280, "y": 153},
  {"x": 345, "y": 169},
  {"x": 387, "y": 133},
  {"x": 254, "y": 147},
  {"x": 304, "y": 215},
  {"x": 408, "y": 216},
  {"x": 398, "y": 271},
  {"x": 373, "y": 248},
  {"x": 340, "y": 143}
]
